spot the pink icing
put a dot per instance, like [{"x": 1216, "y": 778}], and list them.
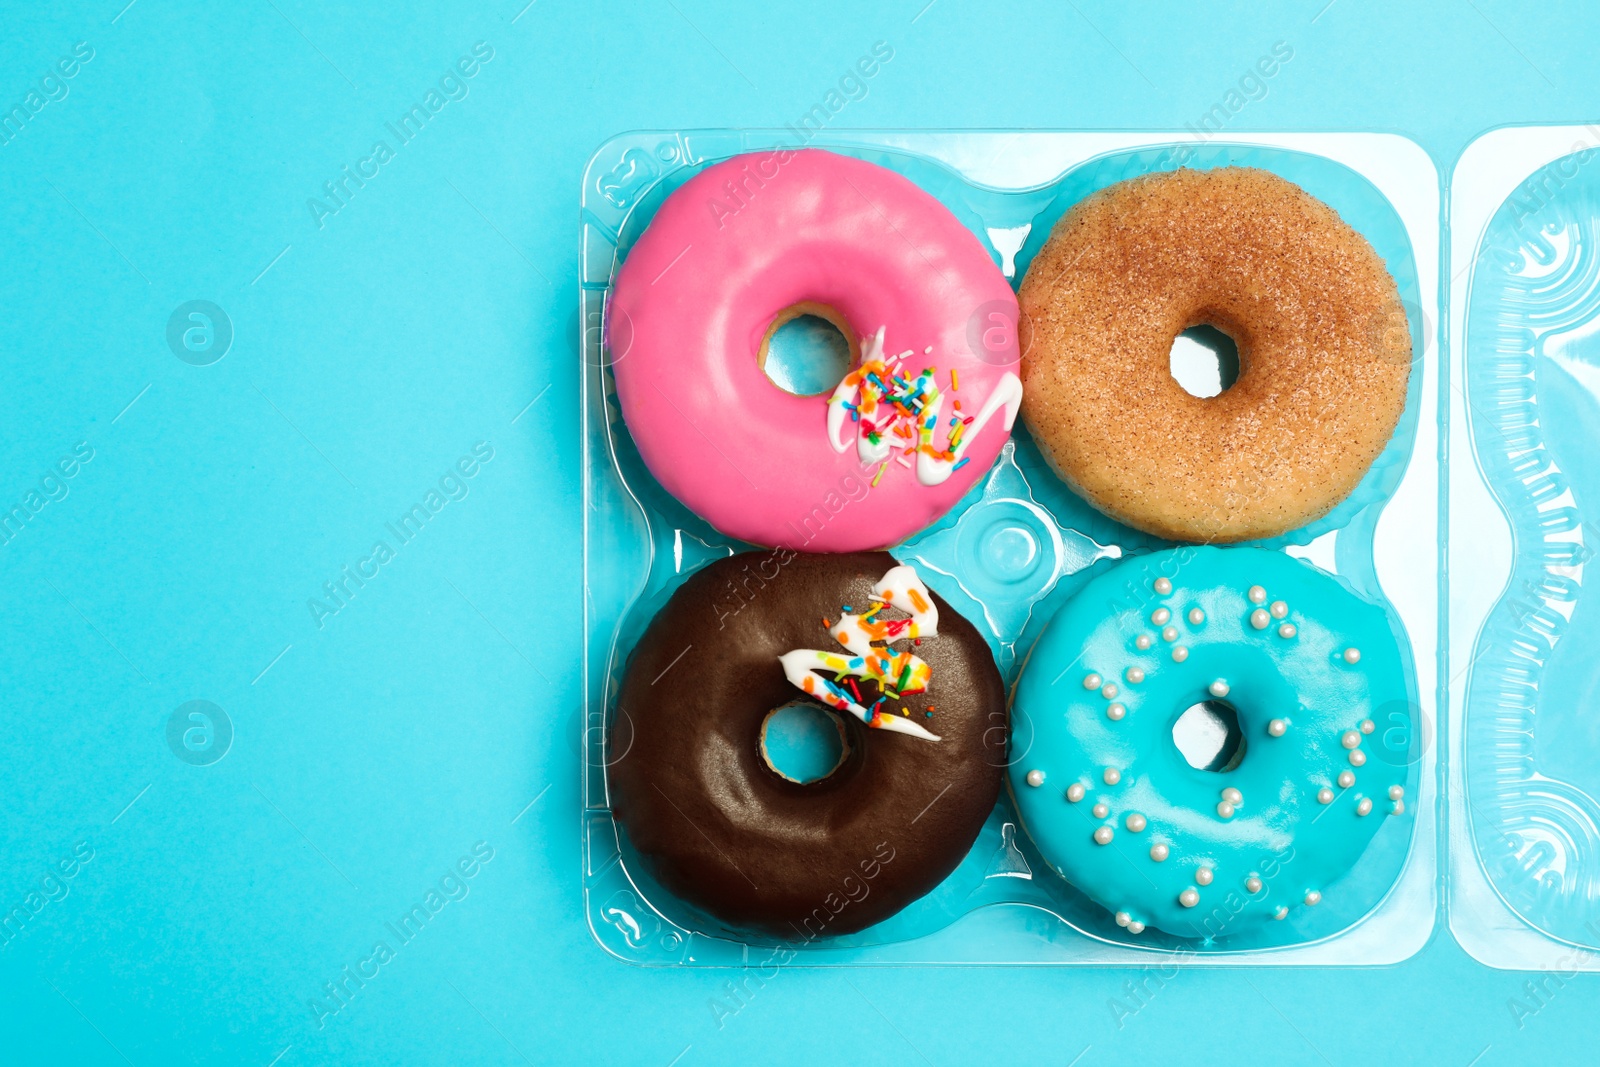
[{"x": 725, "y": 254}]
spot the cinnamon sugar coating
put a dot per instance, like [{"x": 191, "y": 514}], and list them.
[{"x": 1324, "y": 354}]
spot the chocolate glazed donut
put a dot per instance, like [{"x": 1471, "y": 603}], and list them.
[{"x": 760, "y": 852}]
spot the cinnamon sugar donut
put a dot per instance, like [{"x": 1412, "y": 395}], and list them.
[{"x": 1324, "y": 353}]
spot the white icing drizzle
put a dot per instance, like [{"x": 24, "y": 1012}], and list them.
[
  {"x": 901, "y": 588},
  {"x": 932, "y": 469}
]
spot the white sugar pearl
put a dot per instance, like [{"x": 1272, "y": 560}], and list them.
[
  {"x": 1135, "y": 823},
  {"x": 1196, "y": 616},
  {"x": 1347, "y": 779},
  {"x": 1219, "y": 688},
  {"x": 1101, "y": 810},
  {"x": 1142, "y": 642},
  {"x": 1074, "y": 792},
  {"x": 1313, "y": 897},
  {"x": 1233, "y": 796},
  {"x": 1324, "y": 795},
  {"x": 1287, "y": 630},
  {"x": 1279, "y": 609},
  {"x": 1351, "y": 739},
  {"x": 1260, "y": 619},
  {"x": 1225, "y": 810},
  {"x": 1123, "y": 918},
  {"x": 1112, "y": 776},
  {"x": 1358, "y": 758},
  {"x": 1352, "y": 655},
  {"x": 1169, "y": 634},
  {"x": 1135, "y": 675},
  {"x": 1204, "y": 876},
  {"x": 1281, "y": 913},
  {"x": 1159, "y": 852},
  {"x": 1252, "y": 884},
  {"x": 1036, "y": 778},
  {"x": 1258, "y": 595},
  {"x": 1179, "y": 653},
  {"x": 1115, "y": 711},
  {"x": 1163, "y": 586},
  {"x": 1160, "y": 616},
  {"x": 1091, "y": 681},
  {"x": 1103, "y": 835},
  {"x": 1109, "y": 690},
  {"x": 1365, "y": 807},
  {"x": 1189, "y": 897},
  {"x": 1136, "y": 927},
  {"x": 1277, "y": 727},
  {"x": 1367, "y": 726},
  {"x": 1396, "y": 792},
  {"x": 1398, "y": 808}
]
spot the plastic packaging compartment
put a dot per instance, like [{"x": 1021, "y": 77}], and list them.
[
  {"x": 1002, "y": 904},
  {"x": 1524, "y": 497}
]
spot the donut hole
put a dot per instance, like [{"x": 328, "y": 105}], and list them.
[
  {"x": 1209, "y": 737},
  {"x": 807, "y": 350},
  {"x": 1204, "y": 361},
  {"x": 804, "y": 741}
]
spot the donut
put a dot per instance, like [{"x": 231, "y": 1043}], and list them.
[
  {"x": 754, "y": 241},
  {"x": 1308, "y": 669},
  {"x": 1324, "y": 354},
  {"x": 923, "y": 716}
]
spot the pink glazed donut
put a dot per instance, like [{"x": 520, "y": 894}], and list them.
[{"x": 754, "y": 241}]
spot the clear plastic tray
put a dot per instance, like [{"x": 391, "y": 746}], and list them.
[
  {"x": 1002, "y": 905},
  {"x": 1525, "y": 748}
]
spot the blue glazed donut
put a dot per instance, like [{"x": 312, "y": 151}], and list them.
[{"x": 1308, "y": 669}]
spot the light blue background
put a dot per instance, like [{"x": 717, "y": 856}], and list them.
[{"x": 429, "y": 713}]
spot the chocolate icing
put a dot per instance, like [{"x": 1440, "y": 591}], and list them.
[{"x": 756, "y": 851}]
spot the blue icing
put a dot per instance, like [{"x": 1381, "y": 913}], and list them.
[{"x": 1279, "y": 835}]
